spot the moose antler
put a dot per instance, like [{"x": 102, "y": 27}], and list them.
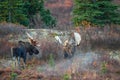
[
  {"x": 77, "y": 37},
  {"x": 32, "y": 40},
  {"x": 29, "y": 35},
  {"x": 58, "y": 39}
]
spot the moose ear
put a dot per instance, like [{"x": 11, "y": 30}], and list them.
[{"x": 77, "y": 38}]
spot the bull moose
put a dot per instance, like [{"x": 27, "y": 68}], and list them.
[
  {"x": 69, "y": 46},
  {"x": 21, "y": 50}
]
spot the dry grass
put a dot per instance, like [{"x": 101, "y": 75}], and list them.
[
  {"x": 108, "y": 38},
  {"x": 8, "y": 31},
  {"x": 112, "y": 73},
  {"x": 21, "y": 75},
  {"x": 9, "y": 28},
  {"x": 50, "y": 47},
  {"x": 5, "y": 48},
  {"x": 93, "y": 37}
]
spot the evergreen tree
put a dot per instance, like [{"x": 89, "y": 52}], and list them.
[
  {"x": 23, "y": 12},
  {"x": 46, "y": 17},
  {"x": 32, "y": 7},
  {"x": 12, "y": 11},
  {"x": 95, "y": 12}
]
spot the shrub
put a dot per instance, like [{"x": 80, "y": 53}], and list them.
[
  {"x": 8, "y": 31},
  {"x": 9, "y": 28},
  {"x": 5, "y": 48},
  {"x": 50, "y": 48},
  {"x": 51, "y": 61},
  {"x": 104, "y": 68},
  {"x": 66, "y": 77}
]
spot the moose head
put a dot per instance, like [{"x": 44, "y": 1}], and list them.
[{"x": 69, "y": 46}]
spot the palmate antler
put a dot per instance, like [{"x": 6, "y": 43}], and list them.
[
  {"x": 58, "y": 39},
  {"x": 77, "y": 37},
  {"x": 29, "y": 35},
  {"x": 32, "y": 40},
  {"x": 69, "y": 45}
]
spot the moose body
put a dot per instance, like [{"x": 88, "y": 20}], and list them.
[
  {"x": 19, "y": 52},
  {"x": 69, "y": 48},
  {"x": 70, "y": 44},
  {"x": 22, "y": 49}
]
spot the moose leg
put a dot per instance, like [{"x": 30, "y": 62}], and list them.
[
  {"x": 24, "y": 63},
  {"x": 15, "y": 54},
  {"x": 73, "y": 49},
  {"x": 65, "y": 54},
  {"x": 14, "y": 62},
  {"x": 18, "y": 62},
  {"x": 24, "y": 59}
]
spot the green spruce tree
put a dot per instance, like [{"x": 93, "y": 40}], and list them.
[
  {"x": 33, "y": 7},
  {"x": 12, "y": 11},
  {"x": 95, "y": 12},
  {"x": 23, "y": 12}
]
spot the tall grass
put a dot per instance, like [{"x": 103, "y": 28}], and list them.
[{"x": 8, "y": 31}]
